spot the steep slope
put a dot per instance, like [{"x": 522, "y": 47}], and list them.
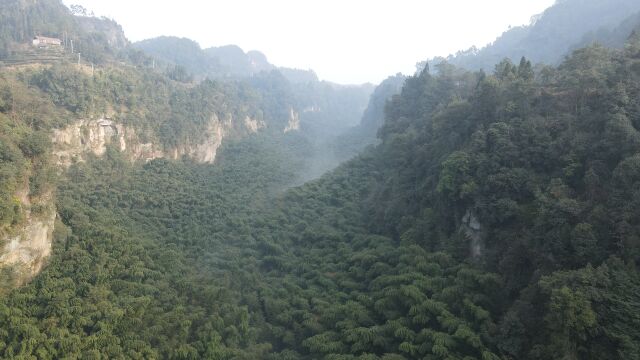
[
  {"x": 68, "y": 115},
  {"x": 373, "y": 117},
  {"x": 526, "y": 177},
  {"x": 27, "y": 213}
]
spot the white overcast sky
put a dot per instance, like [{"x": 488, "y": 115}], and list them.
[{"x": 345, "y": 41}]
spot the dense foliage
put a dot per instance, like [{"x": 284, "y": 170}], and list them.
[
  {"x": 25, "y": 121},
  {"x": 156, "y": 106},
  {"x": 176, "y": 260},
  {"x": 378, "y": 259},
  {"x": 544, "y": 162},
  {"x": 496, "y": 218}
]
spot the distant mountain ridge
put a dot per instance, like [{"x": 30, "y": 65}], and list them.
[
  {"x": 551, "y": 35},
  {"x": 320, "y": 111},
  {"x": 228, "y": 61}
]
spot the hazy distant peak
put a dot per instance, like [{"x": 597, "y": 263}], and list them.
[
  {"x": 551, "y": 34},
  {"x": 226, "y": 49},
  {"x": 168, "y": 41},
  {"x": 257, "y": 56}
]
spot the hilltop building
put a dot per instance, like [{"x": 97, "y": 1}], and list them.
[{"x": 42, "y": 41}]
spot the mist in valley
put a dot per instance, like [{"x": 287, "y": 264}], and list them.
[{"x": 168, "y": 194}]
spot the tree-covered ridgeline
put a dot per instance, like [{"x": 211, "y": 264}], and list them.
[
  {"x": 550, "y": 36},
  {"x": 545, "y": 164},
  {"x": 496, "y": 220}
]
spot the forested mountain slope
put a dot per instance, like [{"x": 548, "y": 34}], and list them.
[
  {"x": 57, "y": 111},
  {"x": 221, "y": 62},
  {"x": 552, "y": 35},
  {"x": 321, "y": 104},
  {"x": 68, "y": 115},
  {"x": 228, "y": 61},
  {"x": 322, "y": 111},
  {"x": 496, "y": 220}
]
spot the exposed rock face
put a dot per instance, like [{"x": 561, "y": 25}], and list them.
[
  {"x": 294, "y": 121},
  {"x": 28, "y": 247},
  {"x": 253, "y": 125},
  {"x": 31, "y": 247},
  {"x": 472, "y": 228},
  {"x": 206, "y": 151},
  {"x": 73, "y": 143},
  {"x": 88, "y": 136}
]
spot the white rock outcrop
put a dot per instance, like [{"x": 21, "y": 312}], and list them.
[
  {"x": 253, "y": 125},
  {"x": 31, "y": 247},
  {"x": 73, "y": 143},
  {"x": 294, "y": 121},
  {"x": 472, "y": 228}
]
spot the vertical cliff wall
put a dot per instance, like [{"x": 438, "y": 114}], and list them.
[
  {"x": 75, "y": 142},
  {"x": 28, "y": 245}
]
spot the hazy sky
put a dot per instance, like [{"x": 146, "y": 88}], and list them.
[{"x": 345, "y": 41}]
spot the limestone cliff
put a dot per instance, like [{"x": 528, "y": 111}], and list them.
[
  {"x": 28, "y": 245},
  {"x": 75, "y": 142},
  {"x": 28, "y": 250},
  {"x": 294, "y": 121},
  {"x": 204, "y": 152},
  {"x": 253, "y": 125}
]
